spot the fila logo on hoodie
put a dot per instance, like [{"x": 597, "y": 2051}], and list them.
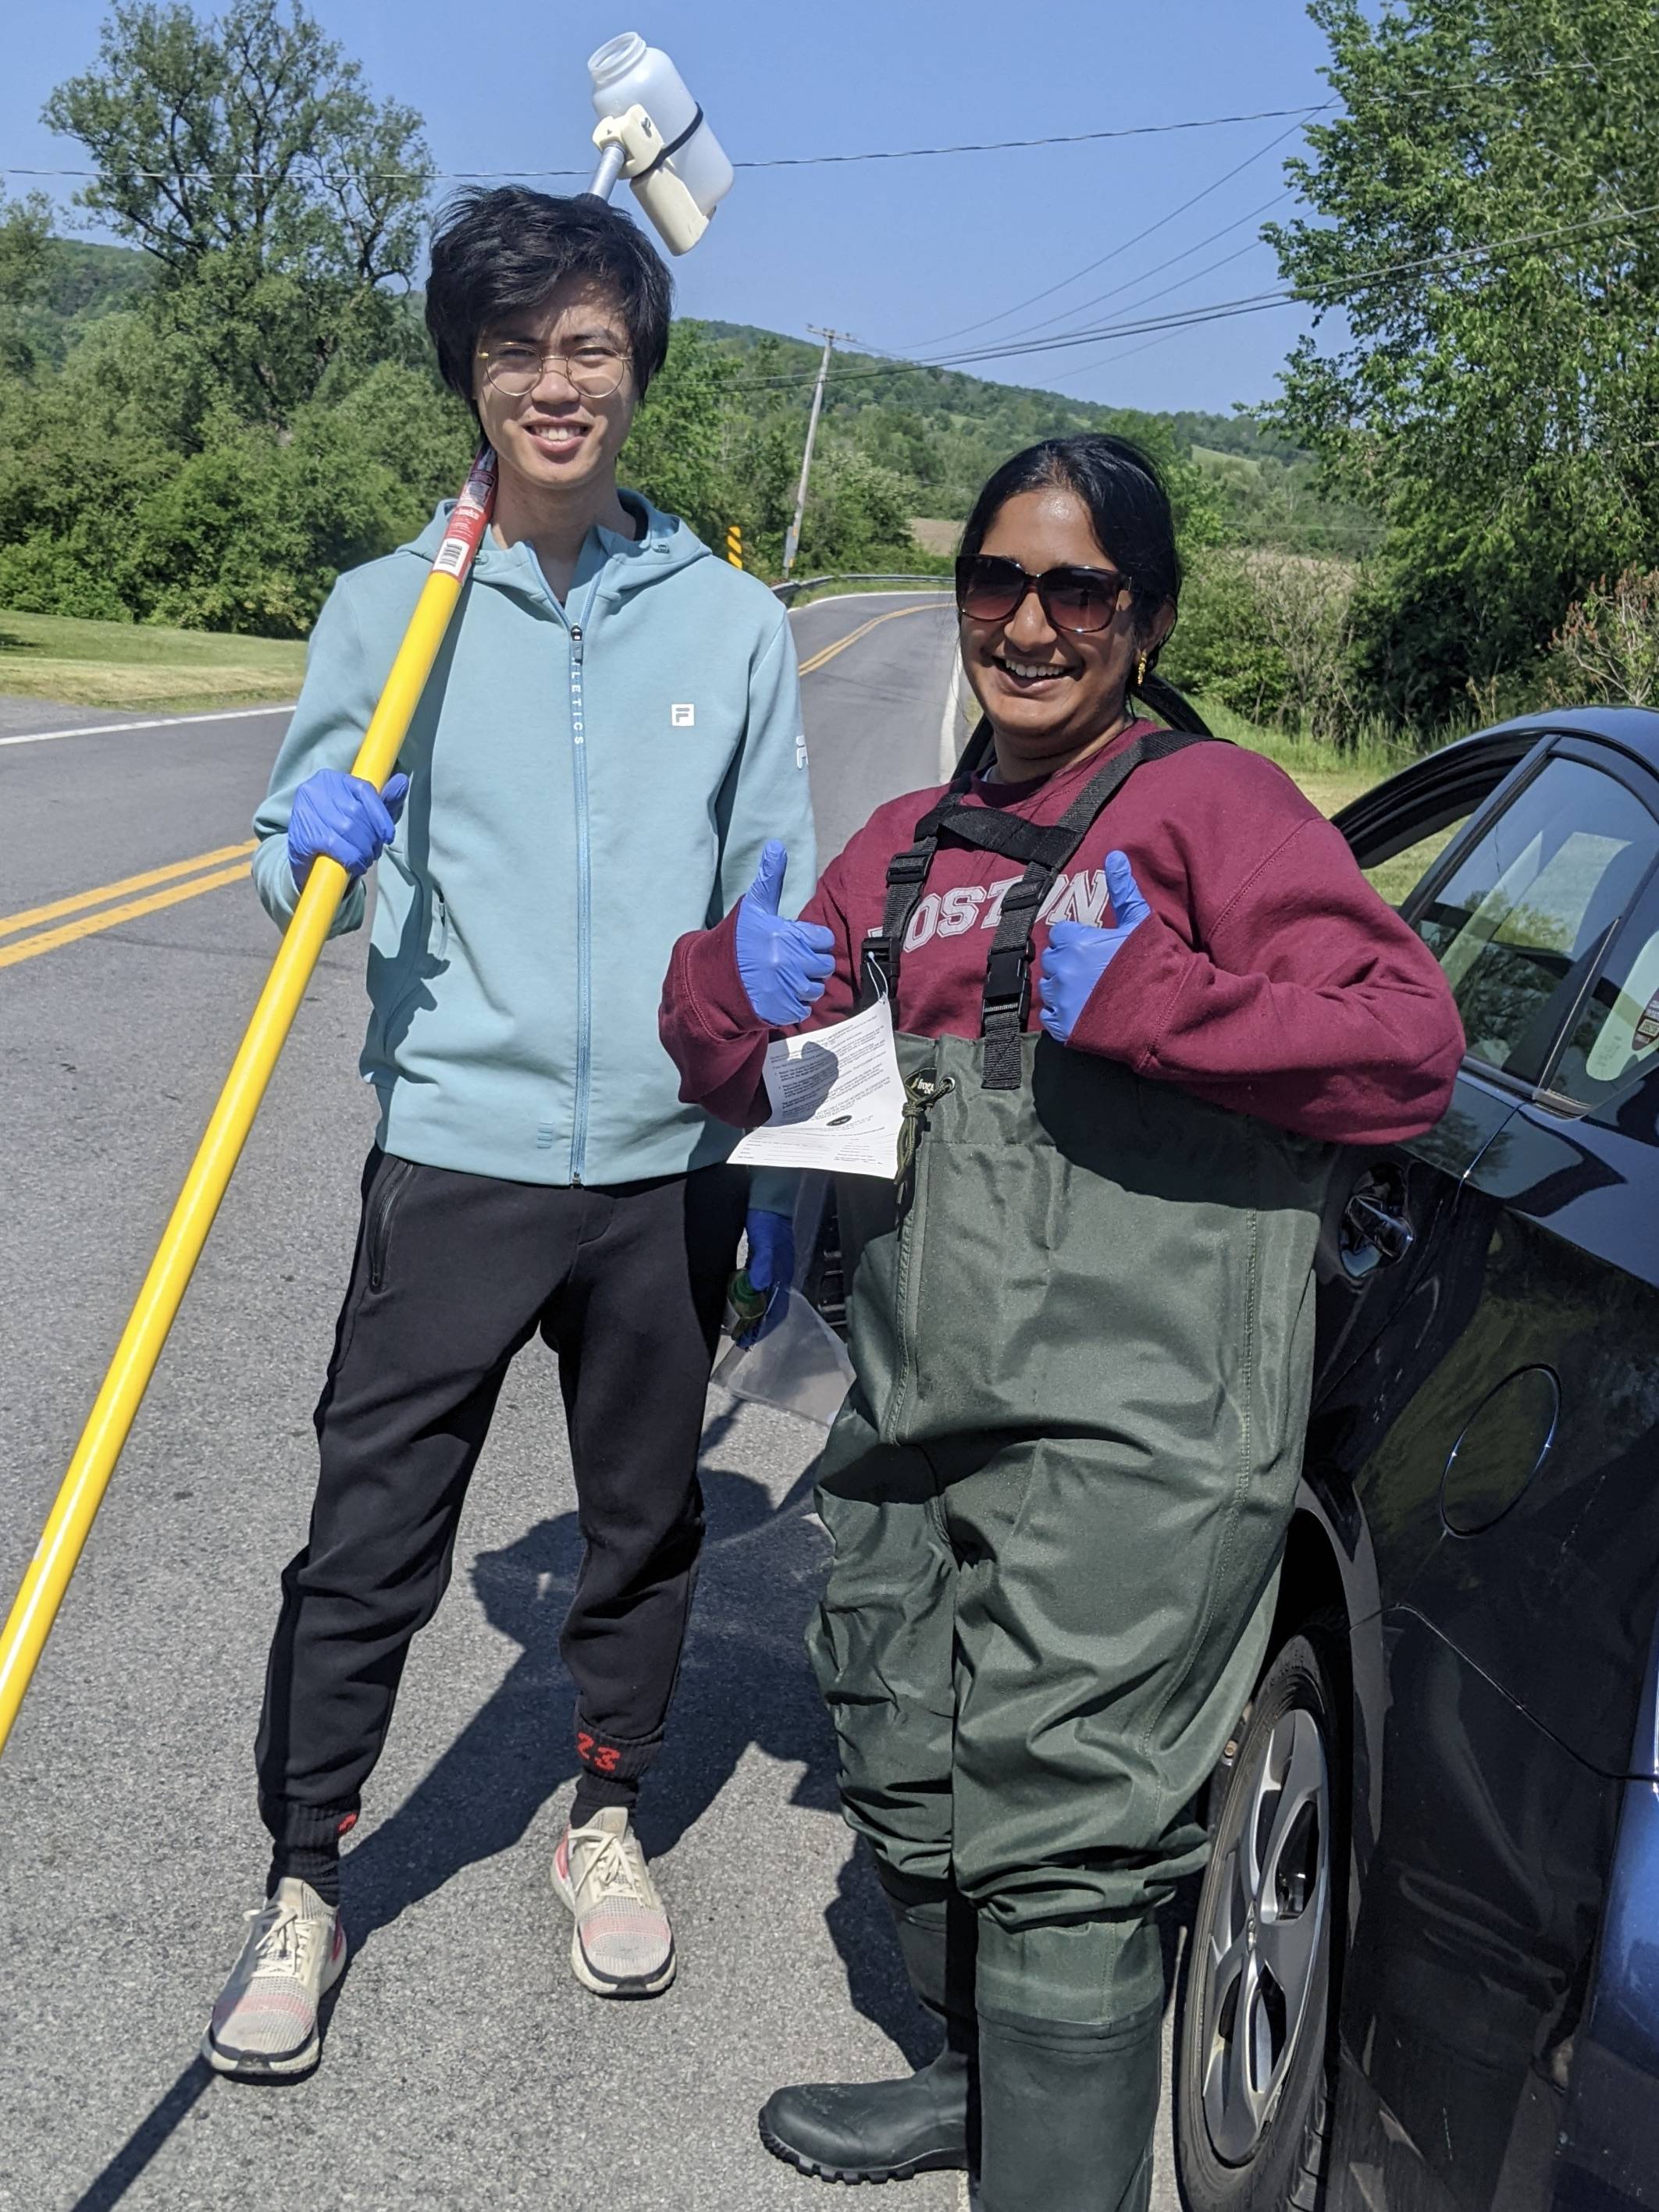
[{"x": 1081, "y": 897}]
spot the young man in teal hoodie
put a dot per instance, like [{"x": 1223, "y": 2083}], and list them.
[{"x": 611, "y": 734}]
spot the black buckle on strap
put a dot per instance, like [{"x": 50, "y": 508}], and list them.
[
  {"x": 1007, "y": 978},
  {"x": 909, "y": 867},
  {"x": 878, "y": 968}
]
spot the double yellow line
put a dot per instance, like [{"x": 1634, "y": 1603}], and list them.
[
  {"x": 38, "y": 921},
  {"x": 44, "y": 928},
  {"x": 816, "y": 660}
]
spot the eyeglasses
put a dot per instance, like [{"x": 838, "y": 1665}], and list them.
[
  {"x": 990, "y": 589},
  {"x": 595, "y": 371}
]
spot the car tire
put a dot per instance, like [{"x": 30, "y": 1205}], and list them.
[{"x": 1256, "y": 2067}]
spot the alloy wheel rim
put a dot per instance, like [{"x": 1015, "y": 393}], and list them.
[{"x": 1262, "y": 1947}]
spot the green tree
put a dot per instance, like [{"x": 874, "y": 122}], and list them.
[
  {"x": 676, "y": 452},
  {"x": 281, "y": 204},
  {"x": 1484, "y": 217},
  {"x": 26, "y": 258}
]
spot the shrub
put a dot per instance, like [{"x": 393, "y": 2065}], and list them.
[
  {"x": 1607, "y": 647},
  {"x": 43, "y": 575},
  {"x": 1270, "y": 636}
]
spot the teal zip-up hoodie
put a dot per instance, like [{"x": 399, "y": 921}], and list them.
[{"x": 587, "y": 782}]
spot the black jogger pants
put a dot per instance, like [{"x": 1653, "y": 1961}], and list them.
[{"x": 453, "y": 1273}]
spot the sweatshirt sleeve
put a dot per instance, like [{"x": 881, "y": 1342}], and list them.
[
  {"x": 712, "y": 1033},
  {"x": 766, "y": 793},
  {"x": 336, "y": 701},
  {"x": 1312, "y": 1006}
]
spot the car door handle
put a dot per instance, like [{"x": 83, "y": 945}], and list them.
[{"x": 1374, "y": 1234}]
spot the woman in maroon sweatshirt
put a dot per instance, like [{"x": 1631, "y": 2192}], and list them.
[{"x": 1081, "y": 1323}]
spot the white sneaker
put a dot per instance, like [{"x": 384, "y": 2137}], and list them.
[
  {"x": 622, "y": 1945},
  {"x": 266, "y": 2021}
]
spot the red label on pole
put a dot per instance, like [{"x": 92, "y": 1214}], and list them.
[{"x": 468, "y": 519}]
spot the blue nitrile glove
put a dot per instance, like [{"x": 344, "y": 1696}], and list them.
[
  {"x": 1077, "y": 955},
  {"x": 770, "y": 1266},
  {"x": 343, "y": 817},
  {"x": 783, "y": 965}
]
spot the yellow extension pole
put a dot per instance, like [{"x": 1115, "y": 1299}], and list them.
[{"x": 30, "y": 1620}]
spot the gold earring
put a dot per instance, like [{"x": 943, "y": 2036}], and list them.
[{"x": 1140, "y": 670}]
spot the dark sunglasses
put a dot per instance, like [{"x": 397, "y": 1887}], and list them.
[{"x": 990, "y": 588}]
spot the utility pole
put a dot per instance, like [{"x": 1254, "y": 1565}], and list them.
[{"x": 792, "y": 543}]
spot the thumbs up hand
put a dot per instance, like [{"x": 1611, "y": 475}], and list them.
[
  {"x": 783, "y": 965},
  {"x": 1077, "y": 955}
]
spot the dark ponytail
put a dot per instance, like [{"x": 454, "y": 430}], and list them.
[
  {"x": 1167, "y": 705},
  {"x": 1129, "y": 511}
]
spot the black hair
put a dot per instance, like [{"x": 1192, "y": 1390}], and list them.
[
  {"x": 1129, "y": 510},
  {"x": 500, "y": 253}
]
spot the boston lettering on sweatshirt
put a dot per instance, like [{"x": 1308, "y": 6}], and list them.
[{"x": 1270, "y": 977}]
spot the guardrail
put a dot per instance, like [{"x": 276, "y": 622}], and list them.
[{"x": 788, "y": 592}]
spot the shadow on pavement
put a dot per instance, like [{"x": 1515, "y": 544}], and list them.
[
  {"x": 147, "y": 2138},
  {"x": 744, "y": 1682}
]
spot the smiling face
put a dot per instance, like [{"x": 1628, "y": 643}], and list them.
[
  {"x": 1052, "y": 695},
  {"x": 557, "y": 439}
]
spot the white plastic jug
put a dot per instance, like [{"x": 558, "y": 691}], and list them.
[{"x": 625, "y": 72}]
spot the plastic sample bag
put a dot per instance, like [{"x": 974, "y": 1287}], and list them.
[{"x": 801, "y": 1367}]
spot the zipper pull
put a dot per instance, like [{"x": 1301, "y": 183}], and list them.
[
  {"x": 924, "y": 1089},
  {"x": 576, "y": 638}
]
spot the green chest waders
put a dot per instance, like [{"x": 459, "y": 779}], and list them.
[{"x": 1082, "y": 1326}]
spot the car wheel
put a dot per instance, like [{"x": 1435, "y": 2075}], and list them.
[{"x": 1255, "y": 2073}]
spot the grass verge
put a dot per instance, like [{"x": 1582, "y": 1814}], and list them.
[
  {"x": 129, "y": 666},
  {"x": 1331, "y": 779}
]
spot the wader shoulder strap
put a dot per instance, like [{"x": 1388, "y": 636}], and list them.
[
  {"x": 1008, "y": 968},
  {"x": 991, "y": 829},
  {"x": 907, "y": 875},
  {"x": 1043, "y": 851}
]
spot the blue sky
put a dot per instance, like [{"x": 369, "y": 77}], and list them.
[{"x": 897, "y": 252}]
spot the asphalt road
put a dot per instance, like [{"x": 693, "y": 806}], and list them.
[{"x": 465, "y": 2067}]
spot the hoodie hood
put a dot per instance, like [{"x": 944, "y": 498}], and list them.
[{"x": 624, "y": 564}]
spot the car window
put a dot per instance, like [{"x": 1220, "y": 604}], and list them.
[
  {"x": 1615, "y": 1039},
  {"x": 1398, "y": 876},
  {"x": 1524, "y": 915}
]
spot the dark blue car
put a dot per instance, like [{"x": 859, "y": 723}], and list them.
[{"x": 1425, "y": 1970}]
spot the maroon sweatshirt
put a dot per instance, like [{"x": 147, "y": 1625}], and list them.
[{"x": 1269, "y": 978}]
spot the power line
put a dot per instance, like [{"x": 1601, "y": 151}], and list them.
[
  {"x": 1317, "y": 295},
  {"x": 776, "y": 161},
  {"x": 1090, "y": 267},
  {"x": 878, "y": 154},
  {"x": 986, "y": 321},
  {"x": 1129, "y": 282},
  {"x": 1191, "y": 277}
]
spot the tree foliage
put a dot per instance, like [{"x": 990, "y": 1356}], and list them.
[
  {"x": 26, "y": 253},
  {"x": 1483, "y": 234},
  {"x": 279, "y": 200},
  {"x": 204, "y": 427}
]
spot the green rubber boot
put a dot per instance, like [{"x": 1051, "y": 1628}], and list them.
[
  {"x": 1068, "y": 2113},
  {"x": 927, "y": 2121}
]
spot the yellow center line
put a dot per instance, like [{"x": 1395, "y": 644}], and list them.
[
  {"x": 816, "y": 660},
  {"x": 11, "y": 923},
  {"x": 47, "y": 940}
]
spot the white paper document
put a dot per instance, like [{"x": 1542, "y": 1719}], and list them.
[{"x": 837, "y": 1100}]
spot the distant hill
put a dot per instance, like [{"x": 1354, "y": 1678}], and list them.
[
  {"x": 947, "y": 431},
  {"x": 942, "y": 429}
]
